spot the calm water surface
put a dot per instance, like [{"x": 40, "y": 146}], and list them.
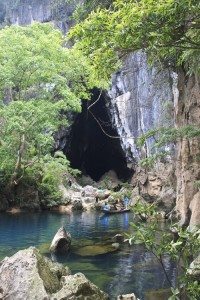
[{"x": 130, "y": 269}]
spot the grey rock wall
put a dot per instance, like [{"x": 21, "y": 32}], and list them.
[
  {"x": 25, "y": 12},
  {"x": 141, "y": 99}
]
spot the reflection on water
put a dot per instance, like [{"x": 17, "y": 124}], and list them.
[{"x": 130, "y": 269}]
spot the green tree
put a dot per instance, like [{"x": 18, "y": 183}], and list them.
[
  {"x": 168, "y": 30},
  {"x": 181, "y": 245},
  {"x": 40, "y": 80}
]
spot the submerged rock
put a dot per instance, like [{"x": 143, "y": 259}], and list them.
[
  {"x": 118, "y": 238},
  {"x": 61, "y": 241},
  {"x": 96, "y": 250},
  {"x": 79, "y": 287},
  {"x": 28, "y": 275}
]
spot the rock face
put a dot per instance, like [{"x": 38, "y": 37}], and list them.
[
  {"x": 158, "y": 185},
  {"x": 61, "y": 241},
  {"x": 28, "y": 275},
  {"x": 28, "y": 11},
  {"x": 141, "y": 99},
  {"x": 187, "y": 112}
]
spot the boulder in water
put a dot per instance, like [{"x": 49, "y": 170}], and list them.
[
  {"x": 61, "y": 241},
  {"x": 118, "y": 238}
]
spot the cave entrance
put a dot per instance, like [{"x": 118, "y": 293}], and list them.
[{"x": 90, "y": 149}]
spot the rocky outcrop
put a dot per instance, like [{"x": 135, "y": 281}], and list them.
[
  {"x": 29, "y": 275},
  {"x": 187, "y": 112},
  {"x": 157, "y": 185},
  {"x": 25, "y": 12},
  {"x": 141, "y": 99},
  {"x": 61, "y": 241},
  {"x": 83, "y": 198}
]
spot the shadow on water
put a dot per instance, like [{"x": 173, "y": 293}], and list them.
[{"x": 129, "y": 269}]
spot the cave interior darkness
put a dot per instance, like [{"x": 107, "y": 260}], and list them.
[{"x": 90, "y": 149}]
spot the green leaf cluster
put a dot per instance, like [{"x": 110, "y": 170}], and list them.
[
  {"x": 181, "y": 245},
  {"x": 168, "y": 30},
  {"x": 162, "y": 137}
]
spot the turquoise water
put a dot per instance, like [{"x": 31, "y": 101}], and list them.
[{"x": 130, "y": 269}]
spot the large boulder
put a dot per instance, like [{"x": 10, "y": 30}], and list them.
[
  {"x": 28, "y": 275},
  {"x": 79, "y": 287},
  {"x": 61, "y": 241}
]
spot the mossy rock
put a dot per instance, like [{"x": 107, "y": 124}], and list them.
[
  {"x": 95, "y": 250},
  {"x": 44, "y": 248}
]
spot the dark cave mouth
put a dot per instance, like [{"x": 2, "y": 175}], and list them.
[{"x": 91, "y": 150}]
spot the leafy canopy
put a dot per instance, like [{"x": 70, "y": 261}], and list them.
[
  {"x": 40, "y": 80},
  {"x": 167, "y": 29}
]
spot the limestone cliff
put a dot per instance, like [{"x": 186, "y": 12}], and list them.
[
  {"x": 141, "y": 99},
  {"x": 187, "y": 112},
  {"x": 23, "y": 12}
]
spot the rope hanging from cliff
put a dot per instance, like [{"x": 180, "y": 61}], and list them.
[{"x": 98, "y": 122}]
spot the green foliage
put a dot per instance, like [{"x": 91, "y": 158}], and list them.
[
  {"x": 197, "y": 184},
  {"x": 40, "y": 80},
  {"x": 182, "y": 248},
  {"x": 163, "y": 137},
  {"x": 84, "y": 9},
  {"x": 48, "y": 173},
  {"x": 168, "y": 31}
]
